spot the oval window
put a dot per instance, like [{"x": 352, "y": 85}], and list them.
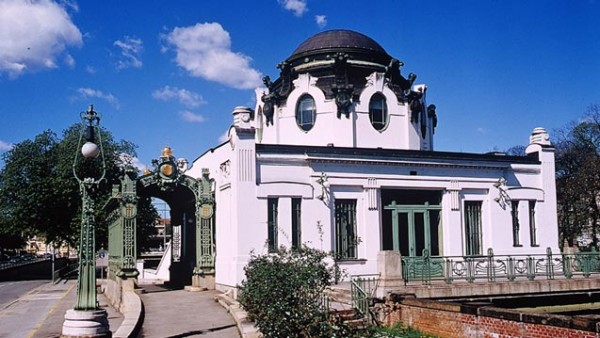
[
  {"x": 306, "y": 112},
  {"x": 378, "y": 111}
]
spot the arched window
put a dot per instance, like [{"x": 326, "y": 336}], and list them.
[
  {"x": 378, "y": 111},
  {"x": 306, "y": 112}
]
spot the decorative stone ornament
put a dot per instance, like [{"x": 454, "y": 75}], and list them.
[
  {"x": 242, "y": 117},
  {"x": 168, "y": 170},
  {"x": 540, "y": 136}
]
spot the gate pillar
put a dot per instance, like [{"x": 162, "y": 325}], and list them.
[
  {"x": 122, "y": 227},
  {"x": 122, "y": 212},
  {"x": 204, "y": 272}
]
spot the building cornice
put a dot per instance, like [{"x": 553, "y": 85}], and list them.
[{"x": 395, "y": 157}]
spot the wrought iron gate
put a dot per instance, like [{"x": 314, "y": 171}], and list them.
[{"x": 165, "y": 179}]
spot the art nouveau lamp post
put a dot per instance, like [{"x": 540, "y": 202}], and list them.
[{"x": 86, "y": 319}]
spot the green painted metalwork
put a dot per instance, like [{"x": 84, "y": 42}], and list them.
[
  {"x": 86, "y": 280},
  {"x": 88, "y": 186},
  {"x": 205, "y": 244},
  {"x": 363, "y": 288},
  {"x": 427, "y": 269},
  {"x": 122, "y": 226},
  {"x": 167, "y": 177},
  {"x": 410, "y": 211}
]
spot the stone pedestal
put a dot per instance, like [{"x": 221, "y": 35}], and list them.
[
  {"x": 202, "y": 283},
  {"x": 389, "y": 267},
  {"x": 93, "y": 323}
]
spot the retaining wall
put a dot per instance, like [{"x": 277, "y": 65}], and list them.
[{"x": 475, "y": 320}]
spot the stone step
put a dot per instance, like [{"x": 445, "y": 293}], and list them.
[
  {"x": 351, "y": 318},
  {"x": 346, "y": 314},
  {"x": 339, "y": 295},
  {"x": 359, "y": 323}
]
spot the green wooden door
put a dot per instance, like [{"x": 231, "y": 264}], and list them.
[{"x": 415, "y": 228}]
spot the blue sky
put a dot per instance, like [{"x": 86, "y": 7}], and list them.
[{"x": 171, "y": 72}]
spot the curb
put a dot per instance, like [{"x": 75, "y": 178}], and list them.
[
  {"x": 245, "y": 326},
  {"x": 133, "y": 313}
]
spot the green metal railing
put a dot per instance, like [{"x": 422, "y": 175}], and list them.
[
  {"x": 491, "y": 268},
  {"x": 363, "y": 289}
]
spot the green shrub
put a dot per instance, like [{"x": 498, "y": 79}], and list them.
[
  {"x": 282, "y": 293},
  {"x": 398, "y": 331}
]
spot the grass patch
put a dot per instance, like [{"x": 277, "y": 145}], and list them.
[{"x": 399, "y": 330}]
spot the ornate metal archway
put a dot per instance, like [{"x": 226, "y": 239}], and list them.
[{"x": 168, "y": 182}]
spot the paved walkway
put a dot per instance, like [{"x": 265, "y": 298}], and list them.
[
  {"x": 179, "y": 313},
  {"x": 41, "y": 312}
]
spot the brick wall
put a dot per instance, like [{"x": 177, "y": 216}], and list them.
[{"x": 454, "y": 320}]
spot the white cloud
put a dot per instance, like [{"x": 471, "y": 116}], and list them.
[
  {"x": 87, "y": 93},
  {"x": 5, "y": 146},
  {"x": 296, "y": 6},
  {"x": 70, "y": 3},
  {"x": 321, "y": 20},
  {"x": 184, "y": 96},
  {"x": 33, "y": 34},
  {"x": 131, "y": 50},
  {"x": 191, "y": 117},
  {"x": 90, "y": 69},
  {"x": 204, "y": 50},
  {"x": 70, "y": 61},
  {"x": 134, "y": 161},
  {"x": 481, "y": 130}
]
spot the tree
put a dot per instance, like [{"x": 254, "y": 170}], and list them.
[
  {"x": 146, "y": 219},
  {"x": 518, "y": 150},
  {"x": 39, "y": 195},
  {"x": 578, "y": 178}
]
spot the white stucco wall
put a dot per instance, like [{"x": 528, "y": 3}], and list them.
[
  {"x": 243, "y": 186},
  {"x": 246, "y": 178}
]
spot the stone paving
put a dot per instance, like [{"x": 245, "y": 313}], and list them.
[
  {"x": 179, "y": 313},
  {"x": 53, "y": 300}
]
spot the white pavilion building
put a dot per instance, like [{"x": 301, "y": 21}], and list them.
[{"x": 338, "y": 154}]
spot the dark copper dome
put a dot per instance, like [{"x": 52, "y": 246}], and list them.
[
  {"x": 340, "y": 61},
  {"x": 339, "y": 41}
]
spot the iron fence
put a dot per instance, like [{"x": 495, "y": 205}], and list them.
[
  {"x": 20, "y": 262},
  {"x": 493, "y": 268},
  {"x": 363, "y": 288}
]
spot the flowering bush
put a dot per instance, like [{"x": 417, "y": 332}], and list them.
[{"x": 283, "y": 294}]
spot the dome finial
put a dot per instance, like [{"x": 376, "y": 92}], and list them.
[{"x": 167, "y": 151}]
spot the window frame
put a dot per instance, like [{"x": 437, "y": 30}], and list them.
[
  {"x": 473, "y": 220},
  {"x": 532, "y": 224},
  {"x": 345, "y": 216},
  {"x": 305, "y": 126},
  {"x": 296, "y": 222},
  {"x": 272, "y": 226},
  {"x": 379, "y": 125},
  {"x": 516, "y": 227}
]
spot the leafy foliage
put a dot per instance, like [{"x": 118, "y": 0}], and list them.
[
  {"x": 399, "y": 330},
  {"x": 518, "y": 150},
  {"x": 147, "y": 215},
  {"x": 282, "y": 293},
  {"x": 39, "y": 195},
  {"x": 578, "y": 178}
]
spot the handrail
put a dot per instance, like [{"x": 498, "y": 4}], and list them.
[
  {"x": 13, "y": 264},
  {"x": 363, "y": 288},
  {"x": 493, "y": 268}
]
